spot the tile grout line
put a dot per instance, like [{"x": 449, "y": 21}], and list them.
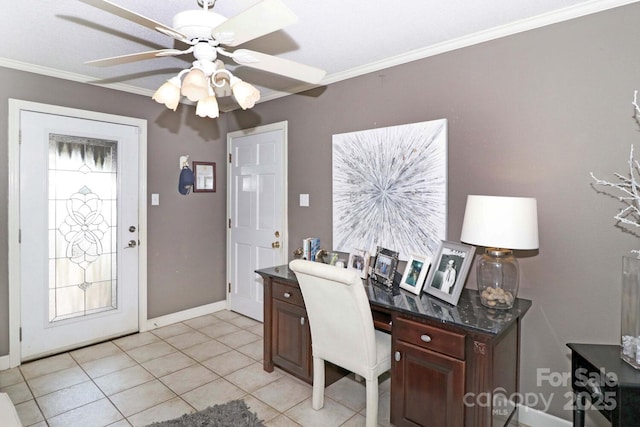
[
  {"x": 97, "y": 386},
  {"x": 178, "y": 350},
  {"x": 35, "y": 401}
]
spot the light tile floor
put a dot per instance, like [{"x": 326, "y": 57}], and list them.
[{"x": 164, "y": 373}]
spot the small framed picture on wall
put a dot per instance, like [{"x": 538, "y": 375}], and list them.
[{"x": 205, "y": 177}]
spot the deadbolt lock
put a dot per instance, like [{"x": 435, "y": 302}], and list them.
[{"x": 277, "y": 233}]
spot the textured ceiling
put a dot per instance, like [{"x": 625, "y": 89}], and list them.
[{"x": 345, "y": 38}]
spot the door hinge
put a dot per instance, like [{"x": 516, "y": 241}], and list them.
[
  {"x": 229, "y": 222},
  {"x": 229, "y": 157},
  {"x": 20, "y": 136},
  {"x": 20, "y": 235},
  {"x": 229, "y": 288},
  {"x": 20, "y": 333}
]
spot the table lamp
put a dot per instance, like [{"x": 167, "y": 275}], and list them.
[{"x": 500, "y": 224}]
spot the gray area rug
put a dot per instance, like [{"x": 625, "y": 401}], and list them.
[{"x": 231, "y": 414}]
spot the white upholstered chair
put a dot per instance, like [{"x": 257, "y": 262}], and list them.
[
  {"x": 8, "y": 415},
  {"x": 342, "y": 329}
]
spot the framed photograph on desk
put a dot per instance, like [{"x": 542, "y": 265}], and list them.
[
  {"x": 449, "y": 271},
  {"x": 385, "y": 265},
  {"x": 359, "y": 261},
  {"x": 414, "y": 273}
]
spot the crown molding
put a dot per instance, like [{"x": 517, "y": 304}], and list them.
[
  {"x": 65, "y": 75},
  {"x": 539, "y": 21},
  {"x": 495, "y": 33}
]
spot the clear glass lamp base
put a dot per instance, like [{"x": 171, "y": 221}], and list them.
[{"x": 497, "y": 278}]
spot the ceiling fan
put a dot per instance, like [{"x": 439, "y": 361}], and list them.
[{"x": 208, "y": 33}]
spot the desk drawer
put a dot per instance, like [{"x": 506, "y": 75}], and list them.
[
  {"x": 287, "y": 293},
  {"x": 430, "y": 337}
]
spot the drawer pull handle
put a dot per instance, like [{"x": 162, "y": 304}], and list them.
[
  {"x": 398, "y": 356},
  {"x": 425, "y": 338},
  {"x": 302, "y": 321},
  {"x": 287, "y": 295}
]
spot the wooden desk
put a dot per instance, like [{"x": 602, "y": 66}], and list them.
[
  {"x": 600, "y": 376},
  {"x": 471, "y": 355}
]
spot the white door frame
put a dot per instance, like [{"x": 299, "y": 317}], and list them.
[
  {"x": 282, "y": 126},
  {"x": 15, "y": 106}
]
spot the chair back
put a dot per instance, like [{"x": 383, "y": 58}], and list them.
[{"x": 340, "y": 319}]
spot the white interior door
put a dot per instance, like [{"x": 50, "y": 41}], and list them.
[
  {"x": 257, "y": 212},
  {"x": 79, "y": 225}
]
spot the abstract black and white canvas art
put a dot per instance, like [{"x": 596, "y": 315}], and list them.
[{"x": 390, "y": 188}]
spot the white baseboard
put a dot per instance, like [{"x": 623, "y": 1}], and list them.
[
  {"x": 181, "y": 316},
  {"x": 534, "y": 418},
  {"x": 528, "y": 416},
  {"x": 4, "y": 362}
]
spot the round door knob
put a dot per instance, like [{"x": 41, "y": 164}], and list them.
[
  {"x": 131, "y": 244},
  {"x": 275, "y": 245}
]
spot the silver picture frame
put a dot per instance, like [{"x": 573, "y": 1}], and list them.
[
  {"x": 449, "y": 270},
  {"x": 384, "y": 266}
]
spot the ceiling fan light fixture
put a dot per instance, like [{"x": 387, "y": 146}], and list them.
[
  {"x": 169, "y": 93},
  {"x": 245, "y": 94},
  {"x": 210, "y": 34},
  {"x": 195, "y": 85}
]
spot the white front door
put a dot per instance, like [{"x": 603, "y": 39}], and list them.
[
  {"x": 79, "y": 231},
  {"x": 257, "y": 205}
]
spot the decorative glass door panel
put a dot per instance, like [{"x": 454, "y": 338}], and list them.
[{"x": 82, "y": 226}]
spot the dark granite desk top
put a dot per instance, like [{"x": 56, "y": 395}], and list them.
[{"x": 469, "y": 313}]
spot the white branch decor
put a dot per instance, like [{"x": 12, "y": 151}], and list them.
[
  {"x": 628, "y": 186},
  {"x": 629, "y": 217}
]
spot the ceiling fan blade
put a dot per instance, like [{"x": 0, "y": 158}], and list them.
[
  {"x": 273, "y": 64},
  {"x": 263, "y": 18},
  {"x": 124, "y": 59},
  {"x": 137, "y": 18}
]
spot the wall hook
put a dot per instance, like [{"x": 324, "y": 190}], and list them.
[{"x": 184, "y": 162}]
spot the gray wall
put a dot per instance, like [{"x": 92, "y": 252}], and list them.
[
  {"x": 186, "y": 234},
  {"x": 529, "y": 115}
]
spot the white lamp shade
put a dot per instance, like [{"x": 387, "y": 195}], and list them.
[
  {"x": 195, "y": 85},
  {"x": 208, "y": 107},
  {"x": 501, "y": 222},
  {"x": 168, "y": 94},
  {"x": 244, "y": 93}
]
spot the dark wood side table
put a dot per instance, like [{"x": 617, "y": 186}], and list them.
[{"x": 601, "y": 377}]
